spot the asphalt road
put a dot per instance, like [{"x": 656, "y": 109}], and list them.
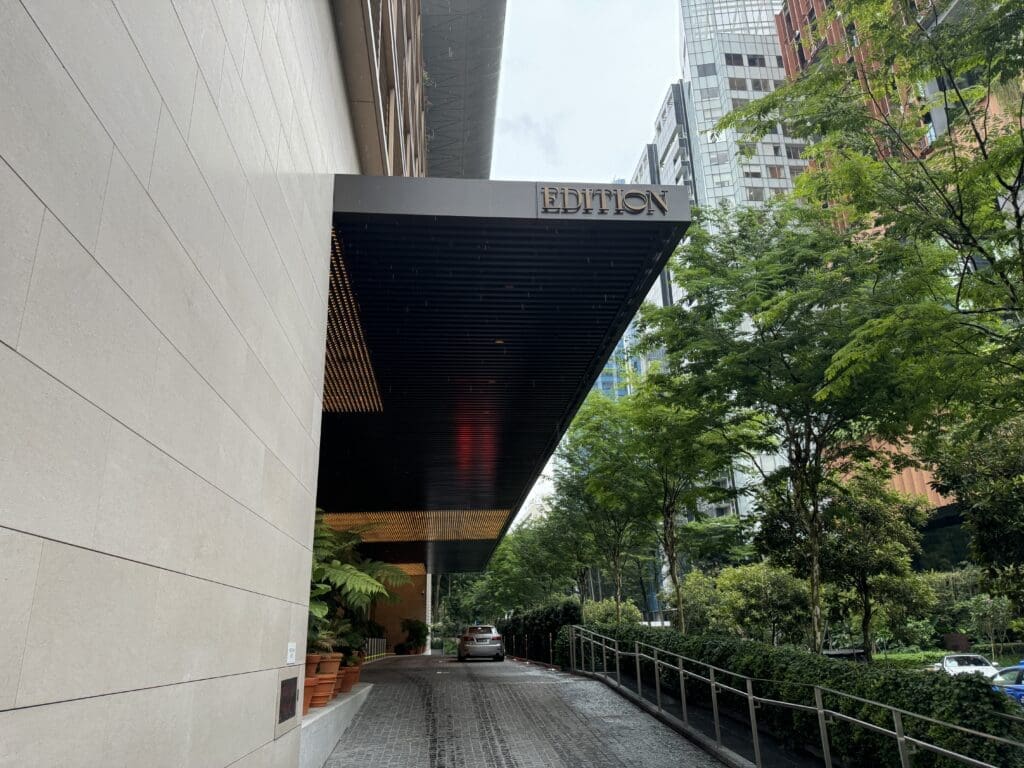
[{"x": 433, "y": 712}]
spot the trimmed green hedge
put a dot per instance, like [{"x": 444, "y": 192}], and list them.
[
  {"x": 530, "y": 634},
  {"x": 788, "y": 674},
  {"x": 910, "y": 660}
]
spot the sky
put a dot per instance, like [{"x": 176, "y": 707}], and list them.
[{"x": 581, "y": 83}]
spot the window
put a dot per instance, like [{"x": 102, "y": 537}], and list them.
[
  {"x": 793, "y": 151},
  {"x": 737, "y": 103},
  {"x": 755, "y": 194},
  {"x": 705, "y": 70},
  {"x": 776, "y": 172},
  {"x": 776, "y": 151},
  {"x": 751, "y": 173},
  {"x": 720, "y": 157},
  {"x": 756, "y": 60},
  {"x": 778, "y": 61},
  {"x": 779, "y": 83},
  {"x": 737, "y": 83},
  {"x": 707, "y": 93},
  {"x": 760, "y": 84},
  {"x": 795, "y": 170},
  {"x": 734, "y": 59}
]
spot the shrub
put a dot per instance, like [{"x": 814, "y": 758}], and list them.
[
  {"x": 603, "y": 612},
  {"x": 790, "y": 674},
  {"x": 531, "y": 634}
]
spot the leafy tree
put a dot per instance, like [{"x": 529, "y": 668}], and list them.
[
  {"x": 772, "y": 295},
  {"x": 711, "y": 544},
  {"x": 873, "y": 532},
  {"x": 609, "y": 612},
  {"x": 762, "y": 602},
  {"x": 675, "y": 452},
  {"x": 990, "y": 617},
  {"x": 591, "y": 486},
  {"x": 950, "y": 207},
  {"x": 982, "y": 465}
]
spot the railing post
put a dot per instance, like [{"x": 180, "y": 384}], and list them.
[
  {"x": 639, "y": 683},
  {"x": 618, "y": 673},
  {"x": 752, "y": 706},
  {"x": 826, "y": 752},
  {"x": 682, "y": 691},
  {"x": 604, "y": 655},
  {"x": 593, "y": 655},
  {"x": 901, "y": 740},
  {"x": 657, "y": 679},
  {"x": 714, "y": 705},
  {"x": 572, "y": 647}
]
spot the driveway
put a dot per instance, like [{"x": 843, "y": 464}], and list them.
[{"x": 433, "y": 712}]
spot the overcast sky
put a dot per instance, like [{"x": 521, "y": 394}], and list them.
[{"x": 581, "y": 83}]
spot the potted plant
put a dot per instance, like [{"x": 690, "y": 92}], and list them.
[{"x": 416, "y": 634}]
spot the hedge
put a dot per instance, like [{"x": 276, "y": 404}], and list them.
[
  {"x": 789, "y": 674},
  {"x": 531, "y": 634}
]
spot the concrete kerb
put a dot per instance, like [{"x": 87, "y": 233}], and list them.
[{"x": 322, "y": 728}]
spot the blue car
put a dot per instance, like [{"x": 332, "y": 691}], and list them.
[{"x": 1011, "y": 681}]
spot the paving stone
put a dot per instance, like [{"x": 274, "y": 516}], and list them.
[{"x": 433, "y": 712}]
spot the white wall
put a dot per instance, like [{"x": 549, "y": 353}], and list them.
[{"x": 165, "y": 209}]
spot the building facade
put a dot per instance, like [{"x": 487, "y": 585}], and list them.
[{"x": 730, "y": 55}]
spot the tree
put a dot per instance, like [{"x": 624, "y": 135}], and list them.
[
  {"x": 990, "y": 617},
  {"x": 590, "y": 483},
  {"x": 772, "y": 295},
  {"x": 949, "y": 207},
  {"x": 762, "y": 602},
  {"x": 982, "y": 465},
  {"x": 872, "y": 533},
  {"x": 676, "y": 452},
  {"x": 711, "y": 544}
]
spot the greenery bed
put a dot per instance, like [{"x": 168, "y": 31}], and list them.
[{"x": 788, "y": 674}]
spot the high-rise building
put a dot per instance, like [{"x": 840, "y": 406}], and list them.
[{"x": 730, "y": 55}]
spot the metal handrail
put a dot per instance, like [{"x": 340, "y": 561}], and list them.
[{"x": 659, "y": 657}]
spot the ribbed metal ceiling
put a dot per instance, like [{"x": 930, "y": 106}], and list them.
[{"x": 484, "y": 336}]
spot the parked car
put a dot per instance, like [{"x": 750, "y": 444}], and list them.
[
  {"x": 967, "y": 664},
  {"x": 1011, "y": 681},
  {"x": 481, "y": 642}
]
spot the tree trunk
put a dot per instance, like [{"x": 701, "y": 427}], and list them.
[
  {"x": 618, "y": 590},
  {"x": 817, "y": 638},
  {"x": 865, "y": 619},
  {"x": 668, "y": 546}
]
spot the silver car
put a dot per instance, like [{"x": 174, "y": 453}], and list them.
[{"x": 481, "y": 642}]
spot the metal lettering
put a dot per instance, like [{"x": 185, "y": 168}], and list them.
[
  {"x": 632, "y": 208},
  {"x": 661, "y": 202},
  {"x": 566, "y": 208},
  {"x": 548, "y": 203}
]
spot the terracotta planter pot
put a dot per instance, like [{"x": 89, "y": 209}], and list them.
[
  {"x": 358, "y": 671},
  {"x": 308, "y": 689},
  {"x": 324, "y": 689},
  {"x": 329, "y": 664},
  {"x": 348, "y": 679},
  {"x": 312, "y": 659}
]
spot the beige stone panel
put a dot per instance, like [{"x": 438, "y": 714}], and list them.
[
  {"x": 140, "y": 252},
  {"x": 277, "y": 78},
  {"x": 206, "y": 723},
  {"x": 82, "y": 328},
  {"x": 235, "y": 25},
  {"x": 147, "y": 507},
  {"x": 48, "y": 133},
  {"x": 19, "y": 564},
  {"x": 212, "y": 150},
  {"x": 256, "y": 87},
  {"x": 156, "y": 31},
  {"x": 232, "y": 717},
  {"x": 52, "y": 454},
  {"x": 191, "y": 423},
  {"x": 91, "y": 627},
  {"x": 277, "y": 754},
  {"x": 142, "y": 728},
  {"x": 21, "y": 216},
  {"x": 96, "y": 49},
  {"x": 240, "y": 123},
  {"x": 286, "y": 503},
  {"x": 202, "y": 28}
]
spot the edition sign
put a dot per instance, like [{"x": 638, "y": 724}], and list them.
[{"x": 616, "y": 201}]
